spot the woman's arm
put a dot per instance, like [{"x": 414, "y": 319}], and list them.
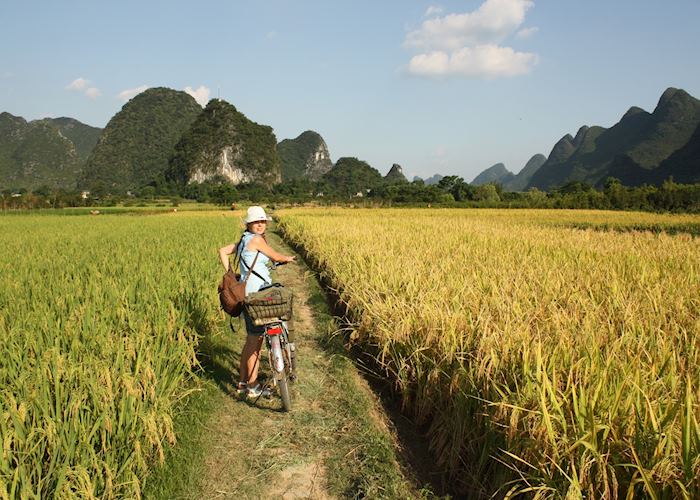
[
  {"x": 258, "y": 243},
  {"x": 224, "y": 252}
]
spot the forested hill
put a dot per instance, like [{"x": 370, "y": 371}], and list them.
[
  {"x": 84, "y": 137},
  {"x": 222, "y": 144},
  {"x": 395, "y": 175},
  {"x": 136, "y": 144},
  {"x": 634, "y": 149},
  {"x": 522, "y": 179},
  {"x": 642, "y": 148},
  {"x": 163, "y": 138},
  {"x": 499, "y": 174},
  {"x": 305, "y": 157},
  {"x": 46, "y": 153},
  {"x": 351, "y": 177}
]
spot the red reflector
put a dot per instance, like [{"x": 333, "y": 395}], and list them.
[{"x": 274, "y": 331}]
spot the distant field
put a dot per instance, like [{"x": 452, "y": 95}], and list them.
[
  {"x": 553, "y": 353},
  {"x": 99, "y": 318},
  {"x": 154, "y": 208},
  {"x": 606, "y": 220}
]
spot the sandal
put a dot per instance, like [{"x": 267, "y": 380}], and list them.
[{"x": 256, "y": 391}]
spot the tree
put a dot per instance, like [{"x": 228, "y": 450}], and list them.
[
  {"x": 224, "y": 194},
  {"x": 148, "y": 192},
  {"x": 43, "y": 190},
  {"x": 486, "y": 192},
  {"x": 536, "y": 196},
  {"x": 454, "y": 185},
  {"x": 448, "y": 182},
  {"x": 616, "y": 193}
]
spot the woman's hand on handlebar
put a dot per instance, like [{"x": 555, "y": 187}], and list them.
[{"x": 283, "y": 262}]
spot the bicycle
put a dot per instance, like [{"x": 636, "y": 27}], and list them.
[{"x": 282, "y": 357}]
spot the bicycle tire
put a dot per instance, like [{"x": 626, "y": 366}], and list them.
[
  {"x": 284, "y": 391},
  {"x": 291, "y": 362}
]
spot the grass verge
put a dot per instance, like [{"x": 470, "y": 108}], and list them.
[
  {"x": 370, "y": 469},
  {"x": 180, "y": 474}
]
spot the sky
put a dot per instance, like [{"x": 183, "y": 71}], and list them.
[{"x": 448, "y": 87}]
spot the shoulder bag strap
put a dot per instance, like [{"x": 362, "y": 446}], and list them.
[
  {"x": 251, "y": 268},
  {"x": 232, "y": 267}
]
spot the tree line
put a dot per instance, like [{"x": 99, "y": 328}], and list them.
[{"x": 451, "y": 191}]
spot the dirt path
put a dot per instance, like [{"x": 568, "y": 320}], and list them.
[{"x": 335, "y": 443}]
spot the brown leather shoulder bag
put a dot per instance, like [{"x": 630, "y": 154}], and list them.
[{"x": 232, "y": 288}]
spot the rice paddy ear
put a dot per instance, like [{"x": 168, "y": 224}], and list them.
[
  {"x": 546, "y": 349},
  {"x": 94, "y": 371},
  {"x": 554, "y": 352}
]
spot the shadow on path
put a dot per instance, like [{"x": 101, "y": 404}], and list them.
[{"x": 219, "y": 362}]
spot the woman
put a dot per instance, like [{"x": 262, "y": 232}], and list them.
[{"x": 254, "y": 252}]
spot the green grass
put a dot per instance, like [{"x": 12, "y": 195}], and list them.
[{"x": 180, "y": 475}]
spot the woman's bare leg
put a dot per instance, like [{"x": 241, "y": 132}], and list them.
[{"x": 250, "y": 359}]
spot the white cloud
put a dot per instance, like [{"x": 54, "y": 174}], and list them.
[
  {"x": 433, "y": 10},
  {"x": 78, "y": 84},
  {"x": 7, "y": 75},
  {"x": 469, "y": 44},
  {"x": 490, "y": 23},
  {"x": 83, "y": 85},
  {"x": 433, "y": 64},
  {"x": 93, "y": 92},
  {"x": 128, "y": 94},
  {"x": 201, "y": 95},
  {"x": 490, "y": 61},
  {"x": 271, "y": 34},
  {"x": 527, "y": 32}
]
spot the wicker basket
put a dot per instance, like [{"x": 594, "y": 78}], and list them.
[{"x": 271, "y": 304}]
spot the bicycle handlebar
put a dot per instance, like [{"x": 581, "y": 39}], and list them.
[{"x": 277, "y": 264}]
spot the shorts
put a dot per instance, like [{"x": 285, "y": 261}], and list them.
[{"x": 255, "y": 331}]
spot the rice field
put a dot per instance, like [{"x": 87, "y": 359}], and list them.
[
  {"x": 552, "y": 354},
  {"x": 99, "y": 321}
]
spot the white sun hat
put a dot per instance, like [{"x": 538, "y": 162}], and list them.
[{"x": 256, "y": 213}]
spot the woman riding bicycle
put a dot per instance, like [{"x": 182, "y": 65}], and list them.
[{"x": 254, "y": 252}]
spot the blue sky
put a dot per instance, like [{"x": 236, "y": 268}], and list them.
[{"x": 448, "y": 87}]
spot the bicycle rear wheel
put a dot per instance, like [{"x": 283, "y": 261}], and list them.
[
  {"x": 280, "y": 367},
  {"x": 290, "y": 361},
  {"x": 283, "y": 385}
]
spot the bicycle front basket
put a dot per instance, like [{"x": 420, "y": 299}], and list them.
[{"x": 269, "y": 304}]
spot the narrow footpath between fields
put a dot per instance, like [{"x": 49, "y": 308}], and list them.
[{"x": 336, "y": 443}]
